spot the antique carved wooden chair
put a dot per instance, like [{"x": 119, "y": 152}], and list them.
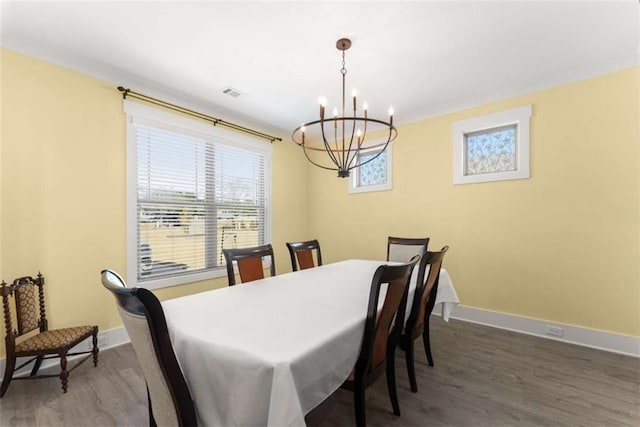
[
  {"x": 28, "y": 297},
  {"x": 249, "y": 261},
  {"x": 402, "y": 249},
  {"x": 380, "y": 340},
  {"x": 168, "y": 395},
  {"x": 424, "y": 299},
  {"x": 302, "y": 254}
]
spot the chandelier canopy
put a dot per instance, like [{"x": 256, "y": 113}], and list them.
[{"x": 343, "y": 137}]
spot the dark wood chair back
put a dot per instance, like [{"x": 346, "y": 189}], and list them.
[
  {"x": 27, "y": 295},
  {"x": 249, "y": 261},
  {"x": 426, "y": 289},
  {"x": 168, "y": 395},
  {"x": 380, "y": 339},
  {"x": 28, "y": 303},
  {"x": 302, "y": 254},
  {"x": 378, "y": 331},
  {"x": 424, "y": 299},
  {"x": 402, "y": 249}
]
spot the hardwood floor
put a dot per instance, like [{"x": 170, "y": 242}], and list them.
[{"x": 482, "y": 377}]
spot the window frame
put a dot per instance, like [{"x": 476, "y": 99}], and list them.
[
  {"x": 143, "y": 114},
  {"x": 353, "y": 179},
  {"x": 520, "y": 117}
]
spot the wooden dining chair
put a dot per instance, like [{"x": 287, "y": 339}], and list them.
[
  {"x": 168, "y": 395},
  {"x": 302, "y": 254},
  {"x": 380, "y": 340},
  {"x": 27, "y": 295},
  {"x": 424, "y": 299},
  {"x": 402, "y": 249},
  {"x": 249, "y": 261}
]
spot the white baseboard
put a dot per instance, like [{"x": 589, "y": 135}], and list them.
[
  {"x": 106, "y": 339},
  {"x": 607, "y": 341}
]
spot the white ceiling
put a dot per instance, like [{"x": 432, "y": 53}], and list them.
[{"x": 424, "y": 58}]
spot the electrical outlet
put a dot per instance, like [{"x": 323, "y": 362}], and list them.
[{"x": 554, "y": 331}]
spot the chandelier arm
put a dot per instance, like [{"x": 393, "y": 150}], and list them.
[
  {"x": 346, "y": 159},
  {"x": 364, "y": 131},
  {"x": 335, "y": 140},
  {"x": 355, "y": 154},
  {"x": 304, "y": 150},
  {"x": 357, "y": 165},
  {"x": 326, "y": 145},
  {"x": 368, "y": 119},
  {"x": 389, "y": 139}
]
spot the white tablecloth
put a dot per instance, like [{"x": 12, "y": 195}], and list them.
[
  {"x": 269, "y": 351},
  {"x": 446, "y": 295}
]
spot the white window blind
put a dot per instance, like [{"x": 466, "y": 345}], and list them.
[{"x": 194, "y": 196}]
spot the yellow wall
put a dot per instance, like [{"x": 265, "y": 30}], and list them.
[
  {"x": 62, "y": 189},
  {"x": 561, "y": 246}
]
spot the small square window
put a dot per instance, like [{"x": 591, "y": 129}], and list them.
[
  {"x": 375, "y": 172},
  {"x": 494, "y": 147},
  {"x": 491, "y": 150}
]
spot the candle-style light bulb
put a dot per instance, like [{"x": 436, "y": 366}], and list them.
[
  {"x": 323, "y": 102},
  {"x": 390, "y": 115},
  {"x": 365, "y": 106},
  {"x": 358, "y": 133},
  {"x": 335, "y": 112},
  {"x": 302, "y": 129},
  {"x": 354, "y": 93}
]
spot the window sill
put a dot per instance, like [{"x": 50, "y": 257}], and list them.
[{"x": 180, "y": 279}]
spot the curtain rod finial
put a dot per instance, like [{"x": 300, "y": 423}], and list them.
[{"x": 124, "y": 91}]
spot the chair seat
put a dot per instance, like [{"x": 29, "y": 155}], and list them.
[{"x": 54, "y": 339}]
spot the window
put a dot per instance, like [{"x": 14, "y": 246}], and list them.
[
  {"x": 193, "y": 189},
  {"x": 375, "y": 172},
  {"x": 494, "y": 147}
]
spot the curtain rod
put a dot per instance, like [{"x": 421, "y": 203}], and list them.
[{"x": 215, "y": 121}]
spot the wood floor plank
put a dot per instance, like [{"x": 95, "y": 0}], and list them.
[{"x": 482, "y": 377}]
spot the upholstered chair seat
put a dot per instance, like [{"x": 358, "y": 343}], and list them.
[{"x": 54, "y": 339}]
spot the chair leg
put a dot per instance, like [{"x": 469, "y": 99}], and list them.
[
  {"x": 8, "y": 374},
  {"x": 427, "y": 343},
  {"x": 359, "y": 405},
  {"x": 152, "y": 420},
  {"x": 391, "y": 382},
  {"x": 95, "y": 347},
  {"x": 36, "y": 365},
  {"x": 411, "y": 369},
  {"x": 64, "y": 374}
]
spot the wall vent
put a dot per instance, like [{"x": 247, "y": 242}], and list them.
[{"x": 233, "y": 92}]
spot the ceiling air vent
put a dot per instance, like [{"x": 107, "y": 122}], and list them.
[{"x": 233, "y": 92}]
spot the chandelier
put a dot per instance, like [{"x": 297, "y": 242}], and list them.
[{"x": 341, "y": 137}]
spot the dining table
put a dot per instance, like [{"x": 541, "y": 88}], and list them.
[{"x": 267, "y": 352}]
